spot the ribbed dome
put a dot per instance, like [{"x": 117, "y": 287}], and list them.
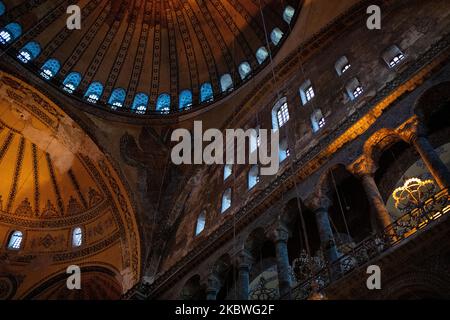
[{"x": 146, "y": 56}]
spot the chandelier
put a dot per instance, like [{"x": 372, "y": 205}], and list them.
[{"x": 413, "y": 194}]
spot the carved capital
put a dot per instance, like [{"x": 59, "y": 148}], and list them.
[
  {"x": 244, "y": 259},
  {"x": 317, "y": 202},
  {"x": 412, "y": 130},
  {"x": 278, "y": 233},
  {"x": 363, "y": 166}
]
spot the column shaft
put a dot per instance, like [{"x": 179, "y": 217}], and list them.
[
  {"x": 376, "y": 200},
  {"x": 284, "y": 277},
  {"x": 326, "y": 234}
]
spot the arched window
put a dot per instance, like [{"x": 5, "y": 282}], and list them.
[
  {"x": 276, "y": 36},
  {"x": 226, "y": 200},
  {"x": 227, "y": 171},
  {"x": 50, "y": 69},
  {"x": 77, "y": 237},
  {"x": 10, "y": 33},
  {"x": 244, "y": 70},
  {"x": 185, "y": 99},
  {"x": 253, "y": 177},
  {"x": 15, "y": 240},
  {"x": 201, "y": 222},
  {"x": 163, "y": 103},
  {"x": 393, "y": 56},
  {"x": 94, "y": 92},
  {"x": 2, "y": 8},
  {"x": 284, "y": 150},
  {"x": 317, "y": 120},
  {"x": 280, "y": 113},
  {"x": 29, "y": 52},
  {"x": 307, "y": 92},
  {"x": 342, "y": 65},
  {"x": 206, "y": 93},
  {"x": 354, "y": 89},
  {"x": 140, "y": 103},
  {"x": 261, "y": 55},
  {"x": 226, "y": 83},
  {"x": 72, "y": 82},
  {"x": 117, "y": 98},
  {"x": 288, "y": 14}
]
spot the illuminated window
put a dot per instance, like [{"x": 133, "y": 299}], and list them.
[
  {"x": 50, "y": 69},
  {"x": 226, "y": 83},
  {"x": 317, "y": 120},
  {"x": 185, "y": 99},
  {"x": 261, "y": 55},
  {"x": 244, "y": 70},
  {"x": 201, "y": 222},
  {"x": 10, "y": 33},
  {"x": 29, "y": 52},
  {"x": 226, "y": 200},
  {"x": 94, "y": 92},
  {"x": 117, "y": 98},
  {"x": 288, "y": 14},
  {"x": 163, "y": 103},
  {"x": 342, "y": 65},
  {"x": 140, "y": 103},
  {"x": 307, "y": 92},
  {"x": 280, "y": 113},
  {"x": 393, "y": 56},
  {"x": 284, "y": 150},
  {"x": 72, "y": 82},
  {"x": 276, "y": 36},
  {"x": 206, "y": 93},
  {"x": 15, "y": 240},
  {"x": 77, "y": 237},
  {"x": 354, "y": 89},
  {"x": 227, "y": 171},
  {"x": 253, "y": 177}
]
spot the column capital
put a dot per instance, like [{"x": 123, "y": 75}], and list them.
[
  {"x": 412, "y": 130},
  {"x": 244, "y": 259},
  {"x": 363, "y": 166},
  {"x": 278, "y": 233},
  {"x": 318, "y": 202}
]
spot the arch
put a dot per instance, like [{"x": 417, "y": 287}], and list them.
[
  {"x": 71, "y": 82},
  {"x": 192, "y": 289},
  {"x": 288, "y": 14},
  {"x": 276, "y": 35},
  {"x": 15, "y": 241},
  {"x": 206, "y": 93},
  {"x": 380, "y": 141},
  {"x": 245, "y": 70},
  {"x": 431, "y": 101},
  {"x": 50, "y": 69},
  {"x": 117, "y": 98},
  {"x": 163, "y": 103},
  {"x": 185, "y": 100},
  {"x": 262, "y": 54},
  {"x": 226, "y": 83},
  {"x": 94, "y": 92},
  {"x": 140, "y": 103},
  {"x": 10, "y": 33},
  {"x": 29, "y": 52}
]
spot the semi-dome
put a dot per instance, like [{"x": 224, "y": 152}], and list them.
[{"x": 146, "y": 56}]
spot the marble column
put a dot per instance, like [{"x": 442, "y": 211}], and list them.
[
  {"x": 244, "y": 261},
  {"x": 213, "y": 286},
  {"x": 431, "y": 159},
  {"x": 280, "y": 235},
  {"x": 375, "y": 200},
  {"x": 320, "y": 205}
]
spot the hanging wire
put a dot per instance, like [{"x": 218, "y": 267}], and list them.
[{"x": 340, "y": 203}]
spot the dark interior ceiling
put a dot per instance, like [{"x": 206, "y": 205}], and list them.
[{"x": 143, "y": 52}]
